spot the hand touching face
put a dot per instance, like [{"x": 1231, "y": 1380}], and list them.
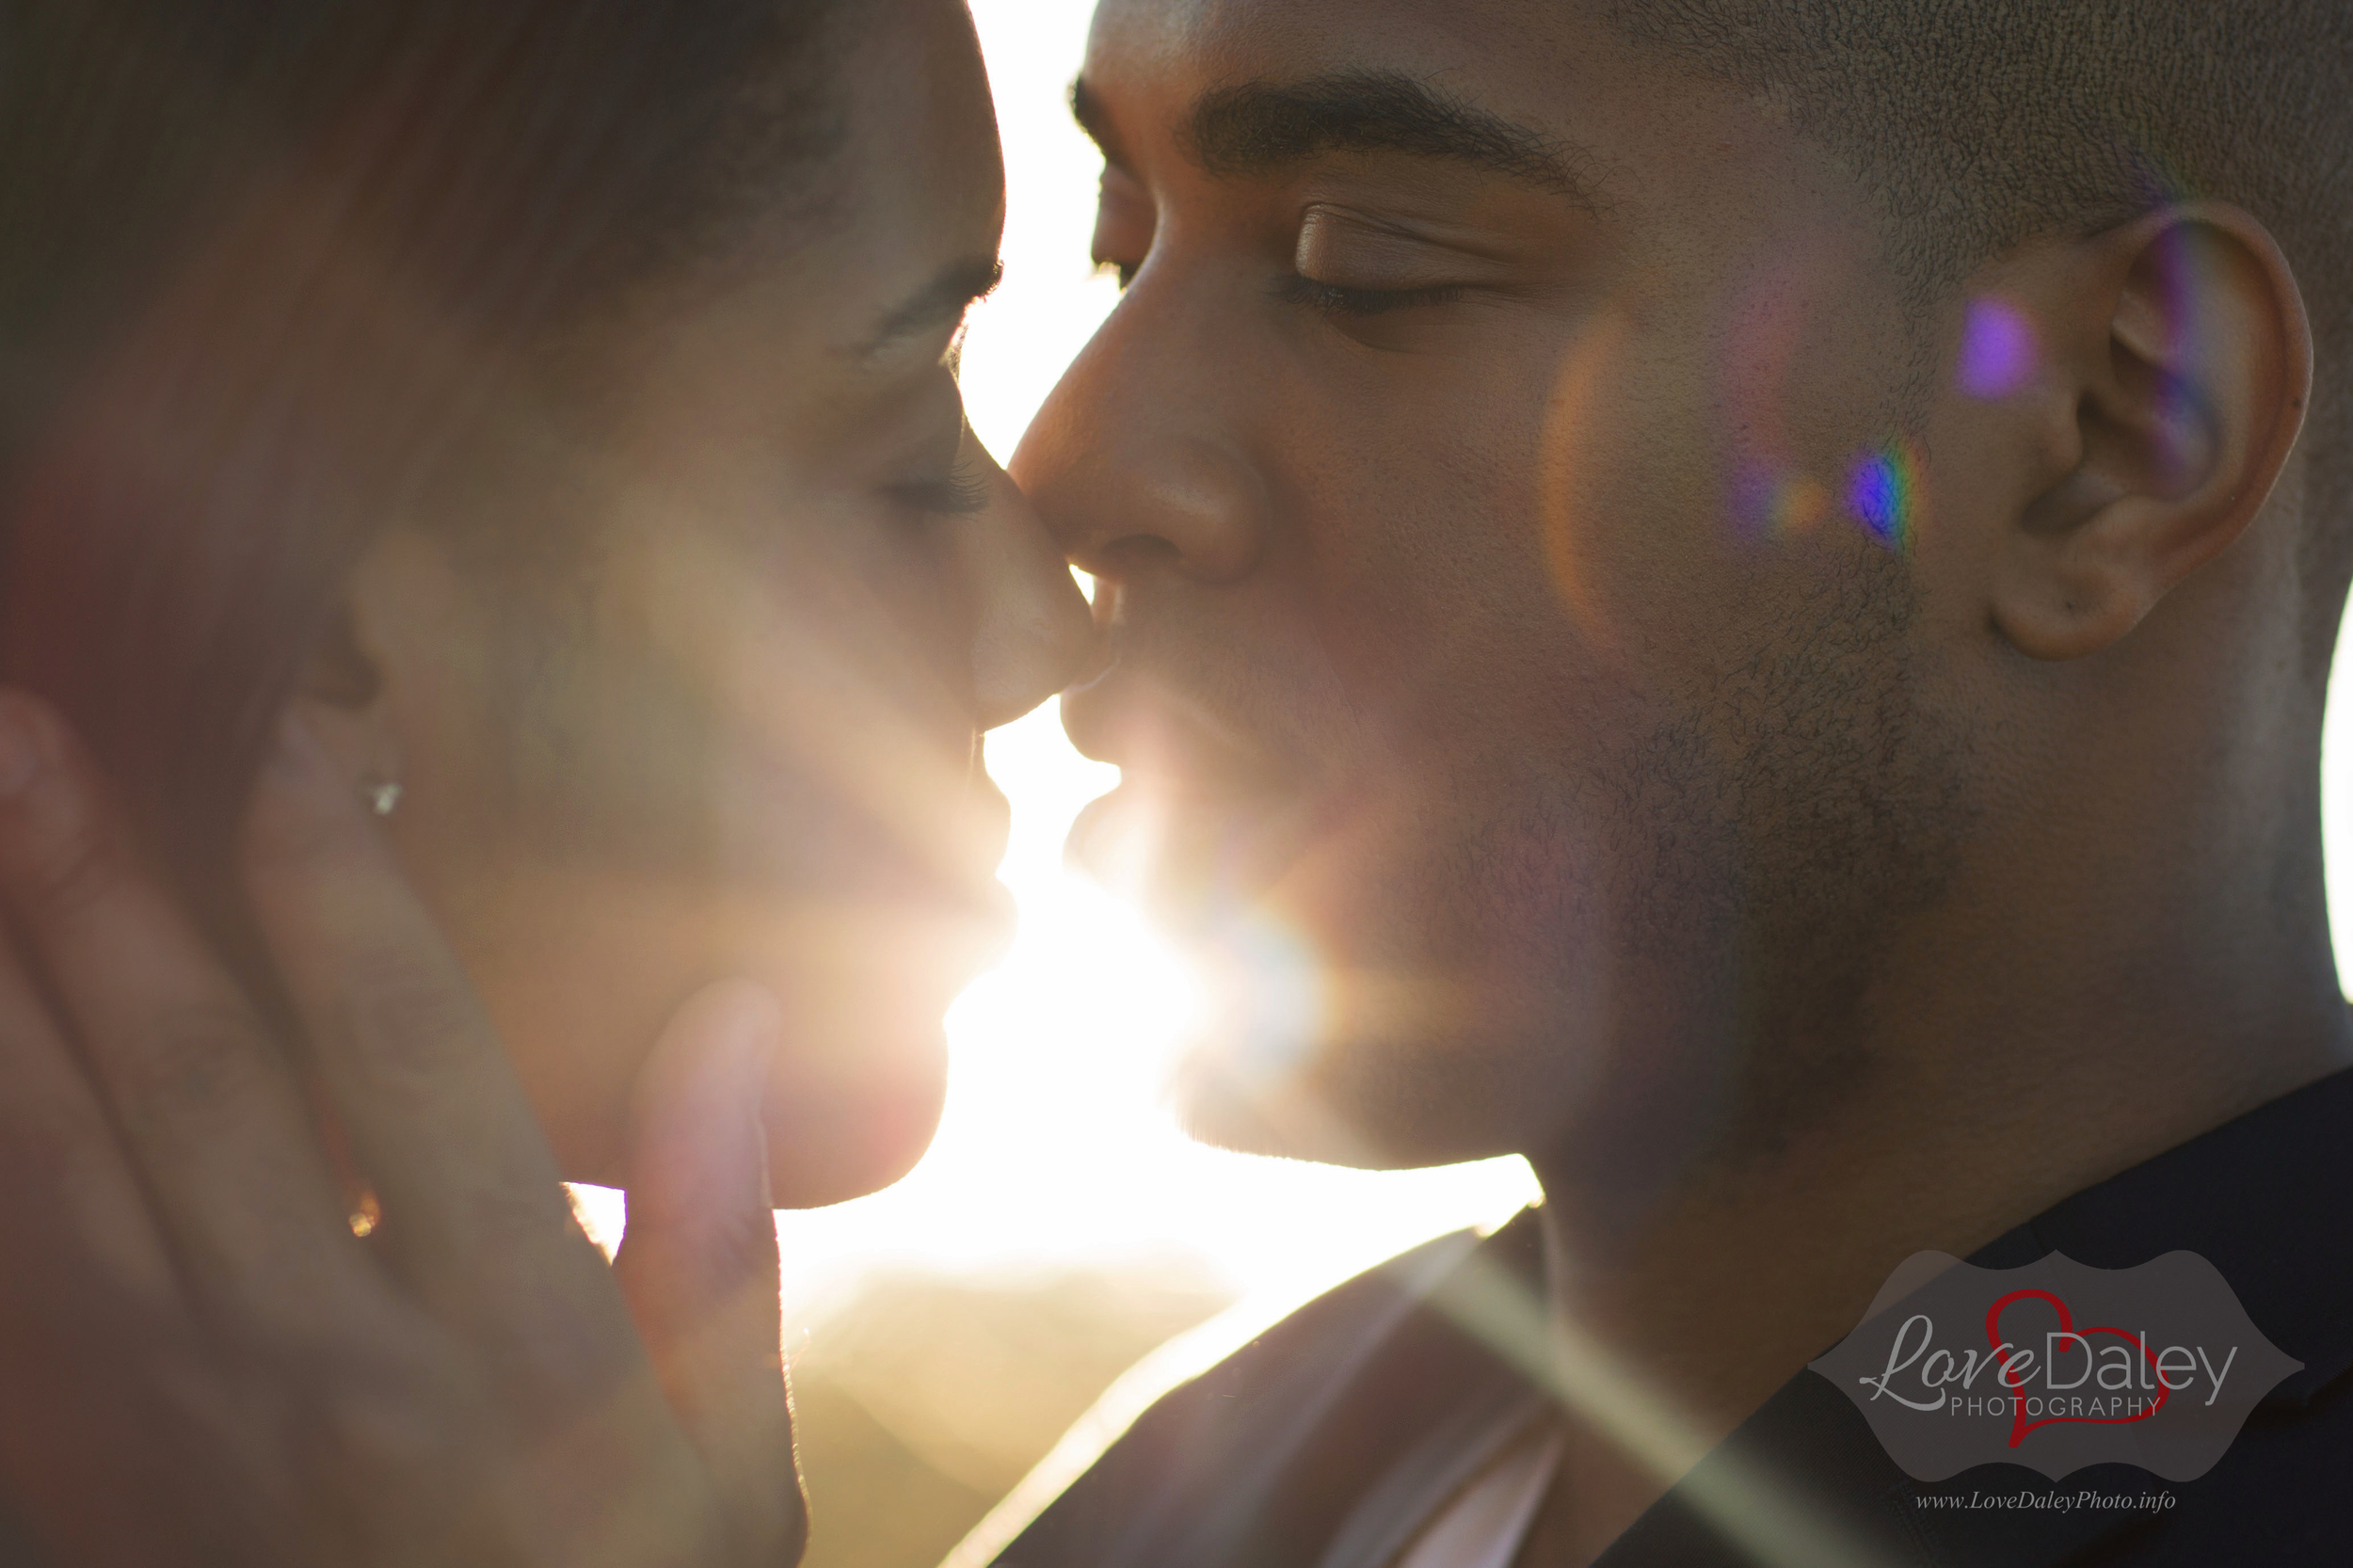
[{"x": 202, "y": 1363}]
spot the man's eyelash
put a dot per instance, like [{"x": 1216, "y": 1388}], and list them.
[{"x": 1332, "y": 299}]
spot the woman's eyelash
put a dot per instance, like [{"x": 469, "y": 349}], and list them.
[
  {"x": 1332, "y": 299},
  {"x": 958, "y": 494}
]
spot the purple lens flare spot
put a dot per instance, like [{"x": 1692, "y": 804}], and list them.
[{"x": 1999, "y": 353}]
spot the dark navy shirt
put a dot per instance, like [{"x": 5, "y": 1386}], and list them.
[{"x": 1327, "y": 1441}]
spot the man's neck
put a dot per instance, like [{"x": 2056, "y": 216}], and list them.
[{"x": 2007, "y": 1086}]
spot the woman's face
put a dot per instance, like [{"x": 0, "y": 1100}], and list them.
[{"x": 722, "y": 717}]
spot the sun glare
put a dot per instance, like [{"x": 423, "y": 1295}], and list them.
[{"x": 1055, "y": 1149}]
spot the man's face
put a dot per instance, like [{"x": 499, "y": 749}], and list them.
[{"x": 1498, "y": 479}]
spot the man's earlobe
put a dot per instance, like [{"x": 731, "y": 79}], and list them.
[{"x": 2183, "y": 374}]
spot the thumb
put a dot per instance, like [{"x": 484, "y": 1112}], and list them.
[{"x": 698, "y": 1261}]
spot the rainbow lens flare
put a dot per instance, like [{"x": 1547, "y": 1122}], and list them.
[{"x": 1882, "y": 492}]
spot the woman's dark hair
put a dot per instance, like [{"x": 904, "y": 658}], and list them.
[{"x": 264, "y": 265}]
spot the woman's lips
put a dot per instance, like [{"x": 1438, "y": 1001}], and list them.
[
  {"x": 990, "y": 900},
  {"x": 962, "y": 837},
  {"x": 938, "y": 867},
  {"x": 998, "y": 918}
]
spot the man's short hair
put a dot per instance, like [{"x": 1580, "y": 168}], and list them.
[{"x": 1979, "y": 124}]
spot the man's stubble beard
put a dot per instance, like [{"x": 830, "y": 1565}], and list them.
[
  {"x": 1680, "y": 935},
  {"x": 1839, "y": 820}
]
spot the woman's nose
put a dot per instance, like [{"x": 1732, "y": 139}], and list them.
[{"x": 1032, "y": 635}]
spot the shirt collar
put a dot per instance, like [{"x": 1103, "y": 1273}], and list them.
[{"x": 2261, "y": 1197}]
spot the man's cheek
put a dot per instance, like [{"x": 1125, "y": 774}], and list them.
[
  {"x": 1395, "y": 952},
  {"x": 1417, "y": 874}
]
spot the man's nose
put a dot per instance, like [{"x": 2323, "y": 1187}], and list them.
[
  {"x": 1135, "y": 461},
  {"x": 1032, "y": 633}
]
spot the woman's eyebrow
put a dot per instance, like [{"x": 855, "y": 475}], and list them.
[
  {"x": 1255, "y": 128},
  {"x": 938, "y": 303}
]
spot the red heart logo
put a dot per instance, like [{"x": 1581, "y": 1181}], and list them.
[{"x": 2019, "y": 1425}]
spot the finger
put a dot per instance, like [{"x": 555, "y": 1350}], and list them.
[
  {"x": 88, "y": 1299},
  {"x": 208, "y": 1112},
  {"x": 698, "y": 1262},
  {"x": 65, "y": 1184},
  {"x": 474, "y": 1209}
]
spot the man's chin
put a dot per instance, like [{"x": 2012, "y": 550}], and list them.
[
  {"x": 1288, "y": 1125},
  {"x": 1341, "y": 1103}
]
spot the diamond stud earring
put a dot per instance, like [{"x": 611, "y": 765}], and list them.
[{"x": 381, "y": 797}]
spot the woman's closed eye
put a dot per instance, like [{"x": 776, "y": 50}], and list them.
[
  {"x": 960, "y": 492},
  {"x": 948, "y": 477}
]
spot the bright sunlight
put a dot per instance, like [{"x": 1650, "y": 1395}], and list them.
[{"x": 1056, "y": 1151}]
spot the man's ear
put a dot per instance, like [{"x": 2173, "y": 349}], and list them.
[{"x": 2179, "y": 365}]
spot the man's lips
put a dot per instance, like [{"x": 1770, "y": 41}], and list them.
[
  {"x": 1210, "y": 808},
  {"x": 1190, "y": 855},
  {"x": 1165, "y": 734}
]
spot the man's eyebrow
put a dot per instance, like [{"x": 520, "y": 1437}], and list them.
[
  {"x": 1259, "y": 127},
  {"x": 937, "y": 303}
]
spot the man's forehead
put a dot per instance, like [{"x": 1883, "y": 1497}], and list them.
[
  {"x": 1318, "y": 35},
  {"x": 1625, "y": 121},
  {"x": 1548, "y": 66},
  {"x": 1225, "y": 40}
]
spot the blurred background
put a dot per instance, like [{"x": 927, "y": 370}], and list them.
[{"x": 947, "y": 1333}]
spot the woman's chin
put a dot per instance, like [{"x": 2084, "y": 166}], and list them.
[
  {"x": 841, "y": 1132},
  {"x": 854, "y": 1092}
]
